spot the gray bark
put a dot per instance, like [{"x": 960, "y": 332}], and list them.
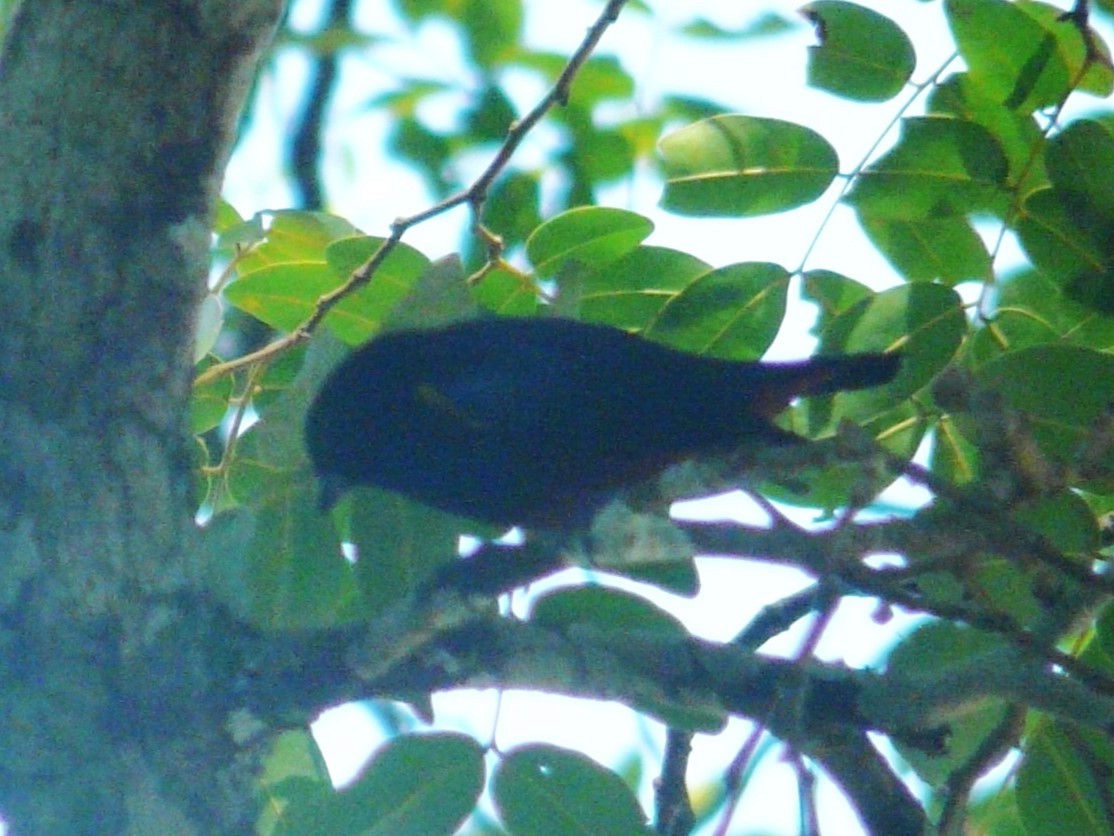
[{"x": 117, "y": 118}]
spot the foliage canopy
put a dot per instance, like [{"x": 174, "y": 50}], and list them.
[{"x": 1008, "y": 372}]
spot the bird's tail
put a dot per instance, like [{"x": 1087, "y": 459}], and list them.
[{"x": 822, "y": 376}]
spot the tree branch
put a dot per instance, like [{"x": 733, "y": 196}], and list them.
[{"x": 474, "y": 196}]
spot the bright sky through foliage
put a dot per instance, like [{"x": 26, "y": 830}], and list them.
[
  {"x": 369, "y": 191},
  {"x": 761, "y": 76}
]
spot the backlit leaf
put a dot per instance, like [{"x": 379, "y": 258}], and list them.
[
  {"x": 861, "y": 55},
  {"x": 741, "y": 165}
]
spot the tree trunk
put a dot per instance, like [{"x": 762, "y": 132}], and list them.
[{"x": 117, "y": 118}]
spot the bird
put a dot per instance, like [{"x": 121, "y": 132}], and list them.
[{"x": 538, "y": 422}]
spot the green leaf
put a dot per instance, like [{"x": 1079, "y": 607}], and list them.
[
  {"x": 731, "y": 312},
  {"x": 1064, "y": 782},
  {"x": 734, "y": 312},
  {"x": 642, "y": 132},
  {"x": 283, "y": 294},
  {"x": 594, "y": 154},
  {"x": 590, "y": 236},
  {"x": 1087, "y": 61},
  {"x": 404, "y": 102},
  {"x": 294, "y": 768},
  {"x": 689, "y": 108},
  {"x": 1017, "y": 52},
  {"x": 416, "y": 11},
  {"x": 1031, "y": 309},
  {"x": 414, "y": 786},
  {"x": 832, "y": 292},
  {"x": 939, "y": 167},
  {"x": 954, "y": 457},
  {"x": 270, "y": 455},
  {"x": 293, "y": 237},
  {"x": 629, "y": 293},
  {"x": 280, "y": 567},
  {"x": 207, "y": 328},
  {"x": 862, "y": 55},
  {"x": 994, "y": 811},
  {"x": 1099, "y": 652},
  {"x": 670, "y": 573},
  {"x": 1027, "y": 306},
  {"x": 491, "y": 116},
  {"x": 899, "y": 429},
  {"x": 508, "y": 293},
  {"x": 620, "y": 614},
  {"x": 399, "y": 544},
  {"x": 739, "y": 166},
  {"x": 543, "y": 790},
  {"x": 927, "y": 249},
  {"x": 1026, "y": 55},
  {"x": 239, "y": 238},
  {"x": 294, "y": 753},
  {"x": 925, "y": 320},
  {"x": 1062, "y": 388},
  {"x": 362, "y": 314},
  {"x": 767, "y": 23},
  {"x": 1080, "y": 161},
  {"x": 428, "y": 151},
  {"x": 1018, "y": 134},
  {"x": 209, "y": 404},
  {"x": 440, "y": 295},
  {"x": 1064, "y": 519},
  {"x": 601, "y": 78},
  {"x": 1004, "y": 586},
  {"x": 1068, "y": 229},
  {"x": 930, "y": 652},
  {"x": 606, "y": 609},
  {"x": 328, "y": 41},
  {"x": 279, "y": 379},
  {"x": 1066, "y": 239},
  {"x": 226, "y": 217},
  {"x": 492, "y": 29},
  {"x": 512, "y": 208}
]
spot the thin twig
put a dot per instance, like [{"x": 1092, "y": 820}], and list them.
[
  {"x": 474, "y": 196},
  {"x": 992, "y": 749},
  {"x": 673, "y": 807}
]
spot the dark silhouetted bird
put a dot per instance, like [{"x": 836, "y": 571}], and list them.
[{"x": 538, "y": 422}]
